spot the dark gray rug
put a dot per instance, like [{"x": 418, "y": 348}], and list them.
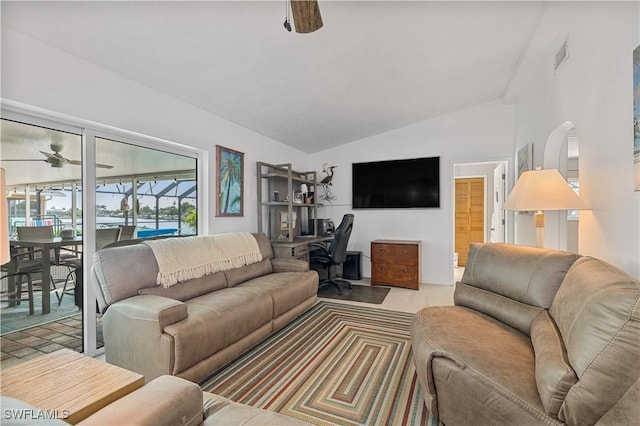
[{"x": 358, "y": 293}]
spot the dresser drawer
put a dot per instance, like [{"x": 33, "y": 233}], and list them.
[
  {"x": 393, "y": 274},
  {"x": 391, "y": 253}
]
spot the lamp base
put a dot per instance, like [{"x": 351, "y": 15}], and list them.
[{"x": 538, "y": 220}]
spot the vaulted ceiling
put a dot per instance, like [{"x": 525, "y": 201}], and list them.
[{"x": 373, "y": 67}]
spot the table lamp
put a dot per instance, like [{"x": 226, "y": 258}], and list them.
[{"x": 539, "y": 190}]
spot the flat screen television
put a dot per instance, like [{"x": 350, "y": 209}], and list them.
[{"x": 396, "y": 184}]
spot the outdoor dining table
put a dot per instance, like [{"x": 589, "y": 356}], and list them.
[{"x": 46, "y": 244}]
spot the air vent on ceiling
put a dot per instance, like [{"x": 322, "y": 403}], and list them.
[{"x": 561, "y": 55}]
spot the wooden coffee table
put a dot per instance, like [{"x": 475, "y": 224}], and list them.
[{"x": 72, "y": 384}]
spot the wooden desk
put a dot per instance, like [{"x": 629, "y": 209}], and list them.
[
  {"x": 298, "y": 248},
  {"x": 72, "y": 385},
  {"x": 46, "y": 244}
]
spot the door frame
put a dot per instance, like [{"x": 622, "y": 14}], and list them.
[{"x": 508, "y": 166}]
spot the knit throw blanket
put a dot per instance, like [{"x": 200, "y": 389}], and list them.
[{"x": 181, "y": 259}]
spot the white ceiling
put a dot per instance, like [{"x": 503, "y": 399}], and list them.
[{"x": 373, "y": 67}]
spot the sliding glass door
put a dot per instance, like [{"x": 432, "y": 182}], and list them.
[
  {"x": 42, "y": 162},
  {"x": 141, "y": 187}
]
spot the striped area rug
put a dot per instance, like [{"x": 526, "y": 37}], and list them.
[{"x": 337, "y": 364}]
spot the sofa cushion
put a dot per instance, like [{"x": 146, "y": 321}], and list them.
[
  {"x": 264, "y": 244},
  {"x": 217, "y": 320},
  {"x": 554, "y": 375},
  {"x": 514, "y": 283},
  {"x": 597, "y": 311},
  {"x": 485, "y": 359},
  {"x": 286, "y": 289},
  {"x": 189, "y": 289},
  {"x": 463, "y": 400},
  {"x": 236, "y": 276},
  {"x": 282, "y": 264},
  {"x": 119, "y": 272},
  {"x": 166, "y": 400}
]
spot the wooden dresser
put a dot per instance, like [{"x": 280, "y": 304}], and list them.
[{"x": 396, "y": 263}]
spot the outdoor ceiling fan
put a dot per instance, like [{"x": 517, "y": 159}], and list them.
[
  {"x": 306, "y": 15},
  {"x": 57, "y": 160}
]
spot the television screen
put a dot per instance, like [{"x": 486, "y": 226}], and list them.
[{"x": 412, "y": 183}]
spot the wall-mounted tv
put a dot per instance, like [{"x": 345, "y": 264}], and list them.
[{"x": 396, "y": 184}]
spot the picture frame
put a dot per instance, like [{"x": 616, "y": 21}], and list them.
[
  {"x": 229, "y": 182},
  {"x": 636, "y": 119},
  {"x": 284, "y": 221},
  {"x": 525, "y": 159}
]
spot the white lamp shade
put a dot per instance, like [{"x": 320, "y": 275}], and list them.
[
  {"x": 542, "y": 190},
  {"x": 4, "y": 222}
]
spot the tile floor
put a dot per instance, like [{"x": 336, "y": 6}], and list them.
[
  {"x": 42, "y": 339},
  {"x": 405, "y": 300}
]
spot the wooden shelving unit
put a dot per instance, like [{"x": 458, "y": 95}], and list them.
[{"x": 284, "y": 219}]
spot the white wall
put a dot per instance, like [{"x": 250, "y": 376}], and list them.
[
  {"x": 39, "y": 75},
  {"x": 477, "y": 134},
  {"x": 593, "y": 89}
]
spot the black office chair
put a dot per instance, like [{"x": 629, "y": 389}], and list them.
[{"x": 325, "y": 261}]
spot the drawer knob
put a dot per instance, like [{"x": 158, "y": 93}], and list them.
[
  {"x": 404, "y": 252},
  {"x": 404, "y": 270}
]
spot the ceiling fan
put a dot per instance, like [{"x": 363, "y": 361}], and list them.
[
  {"x": 306, "y": 16},
  {"x": 57, "y": 160}
]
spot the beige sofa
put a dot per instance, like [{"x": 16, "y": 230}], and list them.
[
  {"x": 195, "y": 327},
  {"x": 167, "y": 400},
  {"x": 535, "y": 337}
]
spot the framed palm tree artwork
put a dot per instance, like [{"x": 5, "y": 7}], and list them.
[
  {"x": 229, "y": 182},
  {"x": 636, "y": 118}
]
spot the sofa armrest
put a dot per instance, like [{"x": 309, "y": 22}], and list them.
[
  {"x": 280, "y": 264},
  {"x": 167, "y": 400},
  {"x": 134, "y": 334},
  {"x": 222, "y": 411}
]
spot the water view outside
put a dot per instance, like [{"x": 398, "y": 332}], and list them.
[{"x": 58, "y": 212}]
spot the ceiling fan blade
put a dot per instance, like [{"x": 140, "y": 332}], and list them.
[
  {"x": 25, "y": 159},
  {"x": 49, "y": 155},
  {"x": 306, "y": 15},
  {"x": 79, "y": 163}
]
